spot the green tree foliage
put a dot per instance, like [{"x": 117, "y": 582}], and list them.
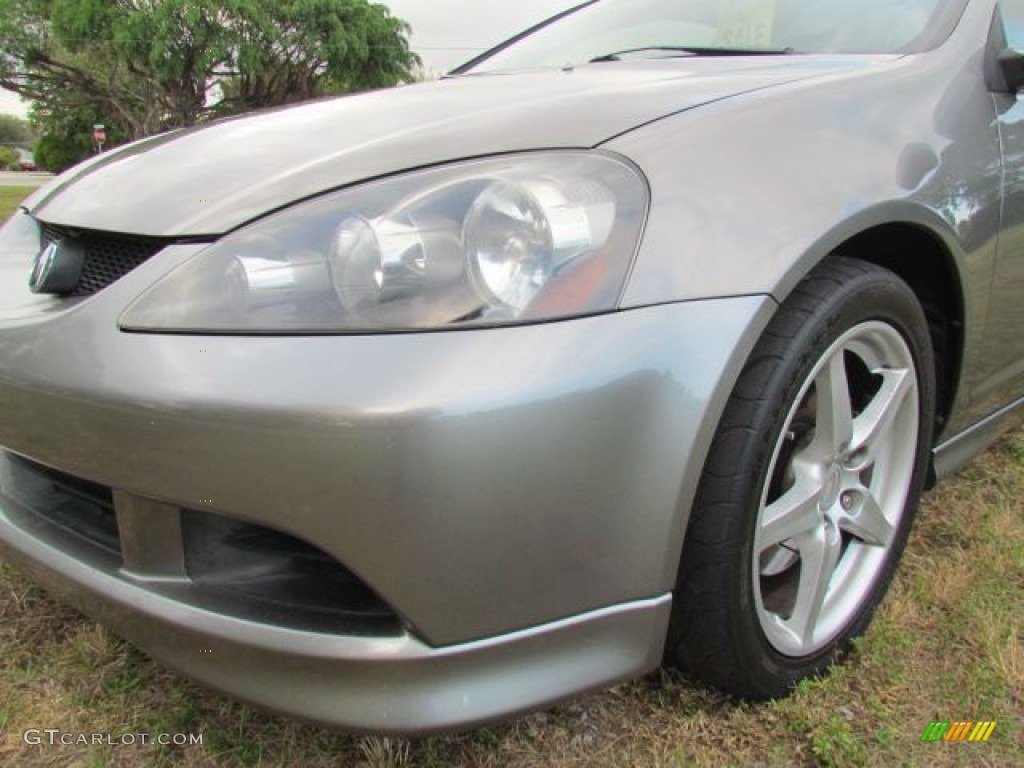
[
  {"x": 58, "y": 153},
  {"x": 68, "y": 137},
  {"x": 145, "y": 66},
  {"x": 16, "y": 132},
  {"x": 8, "y": 158}
]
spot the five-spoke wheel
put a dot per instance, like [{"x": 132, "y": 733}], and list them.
[
  {"x": 810, "y": 486},
  {"x": 839, "y": 481}
]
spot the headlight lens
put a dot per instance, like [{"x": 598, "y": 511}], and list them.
[{"x": 517, "y": 239}]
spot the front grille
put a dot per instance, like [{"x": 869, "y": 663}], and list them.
[{"x": 108, "y": 257}]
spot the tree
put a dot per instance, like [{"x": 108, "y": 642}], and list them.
[
  {"x": 8, "y": 158},
  {"x": 145, "y": 66},
  {"x": 68, "y": 138},
  {"x": 16, "y": 132}
]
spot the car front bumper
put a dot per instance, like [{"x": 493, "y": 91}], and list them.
[
  {"x": 517, "y": 497},
  {"x": 394, "y": 685}
]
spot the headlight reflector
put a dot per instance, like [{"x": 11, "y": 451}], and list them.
[
  {"x": 479, "y": 243},
  {"x": 519, "y": 236}
]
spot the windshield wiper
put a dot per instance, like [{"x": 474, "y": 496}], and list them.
[{"x": 690, "y": 50}]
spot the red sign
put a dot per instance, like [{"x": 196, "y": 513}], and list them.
[{"x": 99, "y": 133}]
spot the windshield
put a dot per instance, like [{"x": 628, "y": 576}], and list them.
[{"x": 612, "y": 30}]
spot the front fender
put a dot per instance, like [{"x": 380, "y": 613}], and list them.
[{"x": 749, "y": 193}]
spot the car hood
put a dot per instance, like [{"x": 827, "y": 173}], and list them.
[{"x": 208, "y": 181}]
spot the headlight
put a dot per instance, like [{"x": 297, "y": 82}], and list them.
[{"x": 517, "y": 239}]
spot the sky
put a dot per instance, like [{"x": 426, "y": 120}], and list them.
[
  {"x": 11, "y": 105},
  {"x": 444, "y": 32}
]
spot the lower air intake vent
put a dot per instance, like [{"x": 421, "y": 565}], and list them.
[
  {"x": 75, "y": 506},
  {"x": 267, "y": 576}
]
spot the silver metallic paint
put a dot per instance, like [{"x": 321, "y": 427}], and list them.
[
  {"x": 203, "y": 182},
  {"x": 490, "y": 481}
]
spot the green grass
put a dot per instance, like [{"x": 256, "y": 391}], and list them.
[
  {"x": 947, "y": 644},
  {"x": 10, "y": 197}
]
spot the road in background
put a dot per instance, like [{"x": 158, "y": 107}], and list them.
[{"x": 23, "y": 179}]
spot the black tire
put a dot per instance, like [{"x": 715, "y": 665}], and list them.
[{"x": 729, "y": 625}]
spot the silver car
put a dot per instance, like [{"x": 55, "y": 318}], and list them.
[{"x": 634, "y": 340}]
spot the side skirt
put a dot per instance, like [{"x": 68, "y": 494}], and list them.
[{"x": 954, "y": 453}]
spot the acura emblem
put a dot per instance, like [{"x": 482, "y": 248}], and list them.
[{"x": 57, "y": 268}]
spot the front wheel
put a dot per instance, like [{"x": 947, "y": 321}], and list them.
[{"x": 810, "y": 486}]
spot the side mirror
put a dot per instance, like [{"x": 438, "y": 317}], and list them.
[{"x": 1011, "y": 64}]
